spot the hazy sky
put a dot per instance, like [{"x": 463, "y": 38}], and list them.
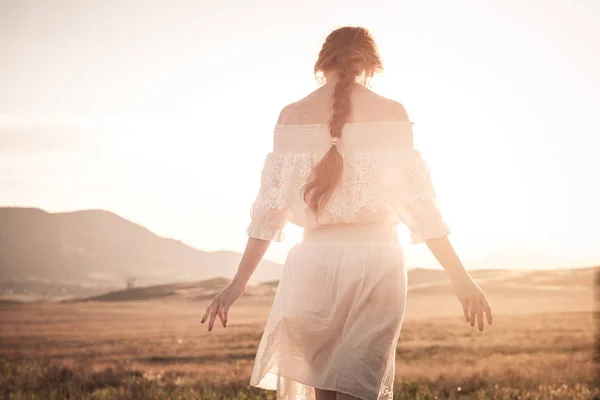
[{"x": 162, "y": 111}]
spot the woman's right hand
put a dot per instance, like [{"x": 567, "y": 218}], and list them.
[
  {"x": 222, "y": 302},
  {"x": 473, "y": 301}
]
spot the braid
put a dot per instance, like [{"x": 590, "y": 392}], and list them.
[
  {"x": 350, "y": 52},
  {"x": 328, "y": 172}
]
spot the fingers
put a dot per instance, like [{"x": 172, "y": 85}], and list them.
[
  {"x": 473, "y": 311},
  {"x": 221, "y": 314},
  {"x": 207, "y": 312},
  {"x": 213, "y": 316},
  {"x": 480, "y": 315},
  {"x": 488, "y": 311},
  {"x": 211, "y": 313},
  {"x": 225, "y": 315},
  {"x": 465, "y": 307}
]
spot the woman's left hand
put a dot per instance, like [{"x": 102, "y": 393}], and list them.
[
  {"x": 222, "y": 302},
  {"x": 473, "y": 300}
]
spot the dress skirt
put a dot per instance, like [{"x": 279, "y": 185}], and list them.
[{"x": 336, "y": 316}]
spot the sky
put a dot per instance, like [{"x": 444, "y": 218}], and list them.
[{"x": 163, "y": 112}]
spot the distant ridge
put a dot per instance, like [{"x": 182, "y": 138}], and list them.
[
  {"x": 97, "y": 247},
  {"x": 201, "y": 290}
]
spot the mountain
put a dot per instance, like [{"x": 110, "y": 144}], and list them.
[{"x": 96, "y": 247}]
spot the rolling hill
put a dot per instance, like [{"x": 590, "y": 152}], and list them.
[
  {"x": 200, "y": 290},
  {"x": 511, "y": 290},
  {"x": 99, "y": 248}
]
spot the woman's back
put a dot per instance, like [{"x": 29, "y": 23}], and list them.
[{"x": 383, "y": 178}]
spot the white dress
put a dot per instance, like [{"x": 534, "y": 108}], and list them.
[{"x": 340, "y": 302}]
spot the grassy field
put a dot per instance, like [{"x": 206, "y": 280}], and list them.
[{"x": 157, "y": 349}]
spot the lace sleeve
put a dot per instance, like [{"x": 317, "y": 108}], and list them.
[
  {"x": 427, "y": 221},
  {"x": 419, "y": 207},
  {"x": 268, "y": 212}
]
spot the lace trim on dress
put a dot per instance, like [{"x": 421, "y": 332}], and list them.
[
  {"x": 370, "y": 181},
  {"x": 265, "y": 232},
  {"x": 374, "y": 185}
]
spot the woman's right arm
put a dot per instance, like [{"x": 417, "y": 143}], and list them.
[
  {"x": 471, "y": 296},
  {"x": 222, "y": 302}
]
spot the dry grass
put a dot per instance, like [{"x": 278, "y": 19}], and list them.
[{"x": 159, "y": 350}]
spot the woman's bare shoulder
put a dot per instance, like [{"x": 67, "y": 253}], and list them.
[
  {"x": 383, "y": 108},
  {"x": 395, "y": 111},
  {"x": 287, "y": 114},
  {"x": 307, "y": 110}
]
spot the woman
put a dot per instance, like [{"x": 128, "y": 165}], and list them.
[{"x": 343, "y": 167}]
